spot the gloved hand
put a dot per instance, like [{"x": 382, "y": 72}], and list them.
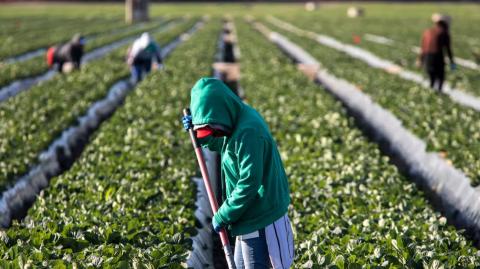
[
  {"x": 453, "y": 66},
  {"x": 187, "y": 122},
  {"x": 216, "y": 226}
]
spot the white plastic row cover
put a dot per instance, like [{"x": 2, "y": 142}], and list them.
[{"x": 458, "y": 198}]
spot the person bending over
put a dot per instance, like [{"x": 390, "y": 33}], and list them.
[
  {"x": 140, "y": 55},
  {"x": 70, "y": 52},
  {"x": 255, "y": 189}
]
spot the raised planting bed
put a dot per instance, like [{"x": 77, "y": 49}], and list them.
[
  {"x": 51, "y": 107},
  {"x": 409, "y": 34},
  {"x": 51, "y": 32},
  {"x": 446, "y": 127},
  {"x": 129, "y": 200},
  {"x": 351, "y": 207},
  {"x": 37, "y": 65}
]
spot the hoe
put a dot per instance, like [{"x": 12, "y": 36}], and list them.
[{"x": 211, "y": 196}]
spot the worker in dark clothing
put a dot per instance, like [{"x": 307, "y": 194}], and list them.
[
  {"x": 140, "y": 56},
  {"x": 70, "y": 52},
  {"x": 435, "y": 41}
]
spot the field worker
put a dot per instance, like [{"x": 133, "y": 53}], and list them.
[
  {"x": 71, "y": 53},
  {"x": 254, "y": 184},
  {"x": 140, "y": 55},
  {"x": 435, "y": 41}
]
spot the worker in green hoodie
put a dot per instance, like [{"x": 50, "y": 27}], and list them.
[{"x": 254, "y": 184}]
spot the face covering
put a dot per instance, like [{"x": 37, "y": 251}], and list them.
[
  {"x": 212, "y": 143},
  {"x": 207, "y": 130},
  {"x": 211, "y": 138}
]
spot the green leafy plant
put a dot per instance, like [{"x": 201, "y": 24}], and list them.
[
  {"x": 40, "y": 32},
  {"x": 351, "y": 207},
  {"x": 49, "y": 108},
  {"x": 447, "y": 127},
  {"x": 129, "y": 200},
  {"x": 37, "y": 65},
  {"x": 405, "y": 26}
]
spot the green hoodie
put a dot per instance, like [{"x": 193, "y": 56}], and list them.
[{"x": 255, "y": 184}]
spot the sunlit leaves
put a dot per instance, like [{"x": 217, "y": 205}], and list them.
[{"x": 128, "y": 202}]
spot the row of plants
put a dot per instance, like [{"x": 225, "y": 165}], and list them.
[
  {"x": 403, "y": 23},
  {"x": 121, "y": 33},
  {"x": 37, "y": 65},
  {"x": 31, "y": 120},
  {"x": 13, "y": 25},
  {"x": 128, "y": 202},
  {"x": 447, "y": 127},
  {"x": 53, "y": 32},
  {"x": 350, "y": 207},
  {"x": 400, "y": 53}
]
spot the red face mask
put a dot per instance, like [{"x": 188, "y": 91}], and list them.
[{"x": 207, "y": 131}]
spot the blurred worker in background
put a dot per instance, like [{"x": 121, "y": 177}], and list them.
[
  {"x": 435, "y": 41},
  {"x": 140, "y": 56},
  {"x": 68, "y": 56},
  {"x": 254, "y": 183}
]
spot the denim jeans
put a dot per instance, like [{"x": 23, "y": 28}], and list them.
[
  {"x": 139, "y": 70},
  {"x": 252, "y": 252}
]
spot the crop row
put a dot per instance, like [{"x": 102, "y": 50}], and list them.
[
  {"x": 45, "y": 27},
  {"x": 23, "y": 28},
  {"x": 15, "y": 25},
  {"x": 129, "y": 200},
  {"x": 399, "y": 53},
  {"x": 15, "y": 44},
  {"x": 30, "y": 121},
  {"x": 38, "y": 65},
  {"x": 120, "y": 33},
  {"x": 405, "y": 24},
  {"x": 447, "y": 127},
  {"x": 351, "y": 207}
]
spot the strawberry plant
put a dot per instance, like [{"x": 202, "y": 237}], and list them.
[
  {"x": 46, "y": 33},
  {"x": 407, "y": 34},
  {"x": 351, "y": 207},
  {"x": 37, "y": 65},
  {"x": 129, "y": 200},
  {"x": 49, "y": 108},
  {"x": 447, "y": 127}
]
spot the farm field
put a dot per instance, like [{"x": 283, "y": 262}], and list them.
[
  {"x": 36, "y": 65},
  {"x": 343, "y": 211},
  {"x": 447, "y": 127},
  {"x": 46, "y": 114},
  {"x": 128, "y": 201},
  {"x": 405, "y": 29}
]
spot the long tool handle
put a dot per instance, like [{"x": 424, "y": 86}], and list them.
[{"x": 211, "y": 195}]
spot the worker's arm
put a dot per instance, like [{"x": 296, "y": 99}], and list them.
[
  {"x": 60, "y": 66},
  {"x": 158, "y": 53},
  {"x": 250, "y": 151},
  {"x": 76, "y": 55},
  {"x": 448, "y": 47},
  {"x": 129, "y": 57},
  {"x": 420, "y": 57},
  {"x": 421, "y": 54}
]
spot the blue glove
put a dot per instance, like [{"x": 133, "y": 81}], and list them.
[
  {"x": 187, "y": 122},
  {"x": 453, "y": 67},
  {"x": 216, "y": 226}
]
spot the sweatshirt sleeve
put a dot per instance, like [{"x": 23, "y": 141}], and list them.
[
  {"x": 250, "y": 169},
  {"x": 158, "y": 53},
  {"x": 448, "y": 47}
]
